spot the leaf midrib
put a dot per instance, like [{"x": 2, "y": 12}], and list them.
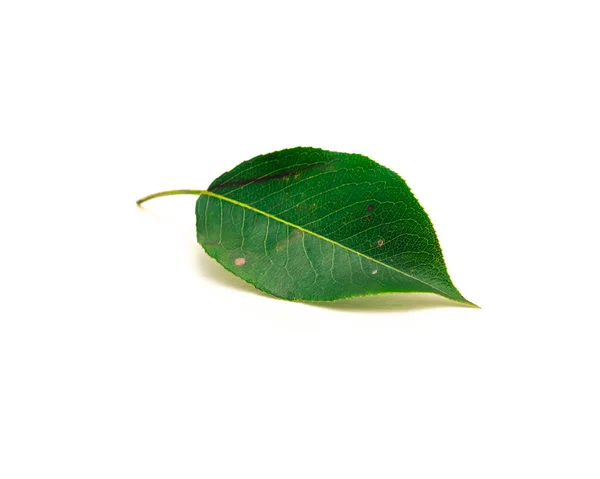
[{"x": 275, "y": 218}]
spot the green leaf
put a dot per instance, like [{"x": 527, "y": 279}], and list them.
[{"x": 314, "y": 225}]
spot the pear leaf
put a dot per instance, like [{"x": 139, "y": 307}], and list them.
[{"x": 314, "y": 225}]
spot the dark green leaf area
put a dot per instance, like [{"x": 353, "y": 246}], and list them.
[
  {"x": 319, "y": 225},
  {"x": 287, "y": 262}
]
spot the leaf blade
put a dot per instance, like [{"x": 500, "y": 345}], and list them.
[{"x": 382, "y": 279}]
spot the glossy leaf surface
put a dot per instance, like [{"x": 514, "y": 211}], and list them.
[{"x": 310, "y": 224}]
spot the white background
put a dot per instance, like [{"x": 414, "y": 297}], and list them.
[{"x": 125, "y": 352}]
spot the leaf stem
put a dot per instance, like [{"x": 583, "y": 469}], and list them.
[{"x": 169, "y": 193}]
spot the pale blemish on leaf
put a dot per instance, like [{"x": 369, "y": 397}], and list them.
[
  {"x": 284, "y": 243},
  {"x": 374, "y": 271},
  {"x": 239, "y": 261},
  {"x": 380, "y": 242}
]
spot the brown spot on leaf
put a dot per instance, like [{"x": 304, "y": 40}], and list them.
[
  {"x": 368, "y": 217},
  {"x": 380, "y": 242},
  {"x": 239, "y": 261},
  {"x": 370, "y": 208}
]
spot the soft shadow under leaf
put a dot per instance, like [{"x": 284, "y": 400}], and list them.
[{"x": 390, "y": 302}]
